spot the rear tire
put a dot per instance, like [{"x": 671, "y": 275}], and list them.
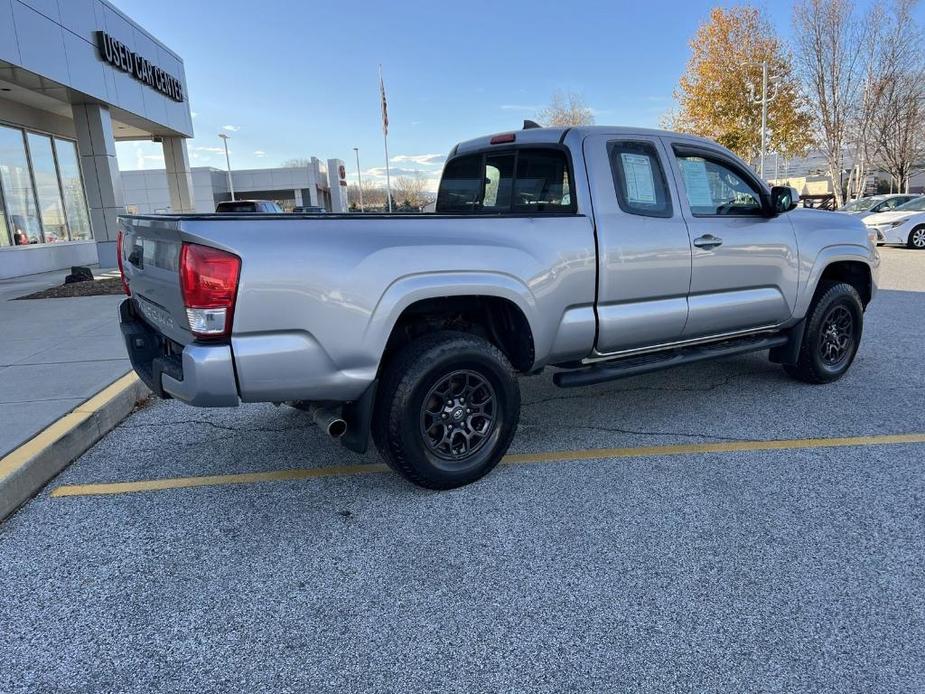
[
  {"x": 916, "y": 238},
  {"x": 834, "y": 324},
  {"x": 447, "y": 409}
]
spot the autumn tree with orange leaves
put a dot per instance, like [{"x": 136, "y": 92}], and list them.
[{"x": 713, "y": 95}]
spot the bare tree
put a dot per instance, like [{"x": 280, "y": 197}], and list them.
[
  {"x": 566, "y": 109},
  {"x": 374, "y": 197},
  {"x": 865, "y": 149},
  {"x": 897, "y": 130},
  {"x": 828, "y": 38},
  {"x": 411, "y": 191}
]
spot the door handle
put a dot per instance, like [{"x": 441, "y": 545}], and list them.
[{"x": 708, "y": 241}]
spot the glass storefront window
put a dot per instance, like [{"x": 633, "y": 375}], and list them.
[
  {"x": 44, "y": 202},
  {"x": 75, "y": 203},
  {"x": 45, "y": 174},
  {"x": 16, "y": 182},
  {"x": 4, "y": 227}
]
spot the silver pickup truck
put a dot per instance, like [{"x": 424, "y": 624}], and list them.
[{"x": 604, "y": 252}]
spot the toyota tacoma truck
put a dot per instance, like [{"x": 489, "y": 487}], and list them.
[{"x": 604, "y": 252}]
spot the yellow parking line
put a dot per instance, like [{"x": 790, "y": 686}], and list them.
[
  {"x": 721, "y": 447},
  {"x": 29, "y": 450},
  {"x": 515, "y": 459}
]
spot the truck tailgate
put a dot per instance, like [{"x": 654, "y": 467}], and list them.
[{"x": 151, "y": 262}]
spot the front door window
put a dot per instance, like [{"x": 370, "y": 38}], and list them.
[{"x": 714, "y": 189}]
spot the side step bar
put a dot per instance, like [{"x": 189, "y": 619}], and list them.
[{"x": 635, "y": 366}]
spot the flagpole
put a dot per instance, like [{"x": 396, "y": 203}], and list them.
[
  {"x": 388, "y": 176},
  {"x": 385, "y": 139}
]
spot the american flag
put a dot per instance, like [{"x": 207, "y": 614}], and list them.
[{"x": 385, "y": 106}]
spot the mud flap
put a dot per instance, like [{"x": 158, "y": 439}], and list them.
[
  {"x": 789, "y": 352},
  {"x": 359, "y": 416}
]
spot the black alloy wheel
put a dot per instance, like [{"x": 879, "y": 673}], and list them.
[
  {"x": 446, "y": 410},
  {"x": 835, "y": 336},
  {"x": 458, "y": 415}
]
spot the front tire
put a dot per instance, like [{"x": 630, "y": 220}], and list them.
[
  {"x": 447, "y": 409},
  {"x": 916, "y": 238},
  {"x": 834, "y": 324}
]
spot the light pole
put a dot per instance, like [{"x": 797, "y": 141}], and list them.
[
  {"x": 228, "y": 164},
  {"x": 764, "y": 100},
  {"x": 359, "y": 180}
]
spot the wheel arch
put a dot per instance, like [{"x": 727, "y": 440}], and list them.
[
  {"x": 497, "y": 307},
  {"x": 851, "y": 264},
  {"x": 853, "y": 272}
]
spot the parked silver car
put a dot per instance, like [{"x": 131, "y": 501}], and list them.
[
  {"x": 606, "y": 252},
  {"x": 863, "y": 208}
]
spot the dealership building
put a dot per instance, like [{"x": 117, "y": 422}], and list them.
[
  {"x": 148, "y": 192},
  {"x": 76, "y": 76}
]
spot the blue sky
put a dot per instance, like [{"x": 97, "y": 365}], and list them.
[{"x": 293, "y": 79}]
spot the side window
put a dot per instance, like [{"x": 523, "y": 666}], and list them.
[
  {"x": 714, "y": 188},
  {"x": 460, "y": 186},
  {"x": 525, "y": 181},
  {"x": 639, "y": 179}
]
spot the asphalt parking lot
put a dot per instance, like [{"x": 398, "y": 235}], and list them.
[{"x": 692, "y": 563}]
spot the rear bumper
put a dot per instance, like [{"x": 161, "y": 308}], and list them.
[{"x": 202, "y": 375}]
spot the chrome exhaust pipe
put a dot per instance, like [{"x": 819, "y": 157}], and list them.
[{"x": 328, "y": 421}]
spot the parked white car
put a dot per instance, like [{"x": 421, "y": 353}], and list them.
[
  {"x": 875, "y": 204},
  {"x": 905, "y": 224}
]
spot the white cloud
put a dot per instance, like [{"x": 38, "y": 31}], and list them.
[
  {"x": 422, "y": 159},
  {"x": 213, "y": 150},
  {"x": 231, "y": 128},
  {"x": 379, "y": 171},
  {"x": 259, "y": 153}
]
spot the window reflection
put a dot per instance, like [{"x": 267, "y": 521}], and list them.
[
  {"x": 41, "y": 191},
  {"x": 45, "y": 175},
  {"x": 5, "y": 238},
  {"x": 75, "y": 203},
  {"x": 22, "y": 212}
]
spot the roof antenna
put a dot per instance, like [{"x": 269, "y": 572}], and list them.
[{"x": 530, "y": 124}]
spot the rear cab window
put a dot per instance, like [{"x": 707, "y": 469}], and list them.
[{"x": 526, "y": 180}]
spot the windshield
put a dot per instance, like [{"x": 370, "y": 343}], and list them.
[
  {"x": 859, "y": 205},
  {"x": 916, "y": 205}
]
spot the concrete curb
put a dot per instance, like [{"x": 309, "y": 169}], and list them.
[{"x": 24, "y": 471}]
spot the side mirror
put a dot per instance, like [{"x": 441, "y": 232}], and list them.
[{"x": 784, "y": 199}]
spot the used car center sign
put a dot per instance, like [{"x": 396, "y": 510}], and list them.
[{"x": 119, "y": 55}]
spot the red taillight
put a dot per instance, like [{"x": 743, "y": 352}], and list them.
[
  {"x": 120, "y": 261},
  {"x": 503, "y": 139},
  {"x": 209, "y": 282}
]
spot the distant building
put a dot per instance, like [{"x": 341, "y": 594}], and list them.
[
  {"x": 146, "y": 191},
  {"x": 810, "y": 176}
]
